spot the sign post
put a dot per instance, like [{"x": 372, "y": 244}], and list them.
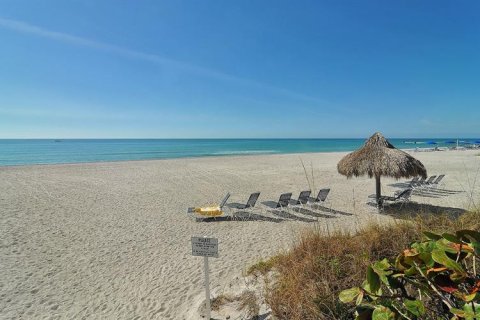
[{"x": 205, "y": 247}]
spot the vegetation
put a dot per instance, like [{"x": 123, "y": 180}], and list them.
[
  {"x": 309, "y": 278},
  {"x": 432, "y": 279}
]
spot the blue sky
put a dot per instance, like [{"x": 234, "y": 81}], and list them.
[{"x": 199, "y": 69}]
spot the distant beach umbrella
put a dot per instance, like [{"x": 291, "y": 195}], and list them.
[{"x": 379, "y": 158}]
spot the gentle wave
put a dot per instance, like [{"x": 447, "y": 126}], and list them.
[{"x": 233, "y": 152}]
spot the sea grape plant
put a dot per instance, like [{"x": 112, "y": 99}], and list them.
[{"x": 433, "y": 279}]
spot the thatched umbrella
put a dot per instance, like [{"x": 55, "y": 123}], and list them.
[{"x": 380, "y": 158}]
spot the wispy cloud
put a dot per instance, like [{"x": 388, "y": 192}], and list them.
[{"x": 23, "y": 27}]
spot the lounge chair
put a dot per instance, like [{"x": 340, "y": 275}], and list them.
[
  {"x": 418, "y": 183},
  {"x": 425, "y": 184},
  {"x": 281, "y": 207},
  {"x": 429, "y": 181},
  {"x": 403, "y": 196},
  {"x": 437, "y": 181},
  {"x": 414, "y": 184},
  {"x": 284, "y": 200},
  {"x": 210, "y": 211},
  {"x": 302, "y": 198},
  {"x": 434, "y": 183},
  {"x": 321, "y": 197},
  {"x": 252, "y": 200}
]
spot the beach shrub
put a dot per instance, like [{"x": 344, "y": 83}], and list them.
[
  {"x": 431, "y": 279},
  {"x": 307, "y": 280}
]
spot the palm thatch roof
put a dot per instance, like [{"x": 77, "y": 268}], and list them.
[{"x": 378, "y": 157}]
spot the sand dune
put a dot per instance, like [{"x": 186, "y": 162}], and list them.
[{"x": 111, "y": 240}]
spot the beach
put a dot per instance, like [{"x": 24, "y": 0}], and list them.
[{"x": 112, "y": 240}]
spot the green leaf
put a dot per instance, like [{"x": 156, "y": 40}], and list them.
[
  {"x": 411, "y": 271},
  {"x": 373, "y": 280},
  {"x": 359, "y": 298},
  {"x": 349, "y": 295},
  {"x": 476, "y": 247},
  {"x": 383, "y": 313},
  {"x": 472, "y": 312},
  {"x": 470, "y": 297},
  {"x": 445, "y": 245},
  {"x": 452, "y": 238},
  {"x": 382, "y": 265},
  {"x": 470, "y": 233},
  {"x": 457, "y": 312},
  {"x": 441, "y": 257},
  {"x": 416, "y": 307},
  {"x": 432, "y": 236},
  {"x": 426, "y": 257}
]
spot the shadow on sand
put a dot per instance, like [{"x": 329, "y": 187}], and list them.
[
  {"x": 311, "y": 213},
  {"x": 413, "y": 209},
  {"x": 241, "y": 216},
  {"x": 288, "y": 216},
  {"x": 330, "y": 210},
  {"x": 283, "y": 212}
]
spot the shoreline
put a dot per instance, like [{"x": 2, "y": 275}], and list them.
[
  {"x": 168, "y": 159},
  {"x": 214, "y": 156}
]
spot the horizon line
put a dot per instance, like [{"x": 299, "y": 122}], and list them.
[{"x": 240, "y": 138}]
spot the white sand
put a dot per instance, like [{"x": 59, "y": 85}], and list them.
[{"x": 111, "y": 240}]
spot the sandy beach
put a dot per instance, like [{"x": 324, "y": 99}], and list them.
[{"x": 112, "y": 240}]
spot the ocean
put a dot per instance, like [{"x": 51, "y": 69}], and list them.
[{"x": 50, "y": 151}]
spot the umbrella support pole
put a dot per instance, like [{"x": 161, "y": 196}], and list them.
[{"x": 378, "y": 190}]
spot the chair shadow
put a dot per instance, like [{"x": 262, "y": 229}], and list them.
[
  {"x": 330, "y": 210},
  {"x": 434, "y": 193},
  {"x": 413, "y": 209},
  {"x": 241, "y": 216},
  {"x": 312, "y": 213},
  {"x": 280, "y": 212},
  {"x": 270, "y": 204},
  {"x": 287, "y": 215},
  {"x": 426, "y": 194}
]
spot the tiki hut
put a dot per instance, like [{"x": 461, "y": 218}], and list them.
[{"x": 377, "y": 158}]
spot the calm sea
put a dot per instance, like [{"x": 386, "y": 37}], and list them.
[{"x": 45, "y": 151}]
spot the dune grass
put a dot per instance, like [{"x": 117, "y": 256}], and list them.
[{"x": 308, "y": 278}]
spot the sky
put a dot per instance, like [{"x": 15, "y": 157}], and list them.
[{"x": 239, "y": 69}]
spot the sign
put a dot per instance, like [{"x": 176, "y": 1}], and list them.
[{"x": 205, "y": 247}]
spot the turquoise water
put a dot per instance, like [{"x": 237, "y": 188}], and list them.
[{"x": 43, "y": 151}]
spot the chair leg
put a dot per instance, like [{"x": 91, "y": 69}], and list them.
[{"x": 250, "y": 212}]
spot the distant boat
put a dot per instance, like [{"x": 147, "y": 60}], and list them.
[{"x": 57, "y": 140}]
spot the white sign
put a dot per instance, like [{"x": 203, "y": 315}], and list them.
[{"x": 205, "y": 247}]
